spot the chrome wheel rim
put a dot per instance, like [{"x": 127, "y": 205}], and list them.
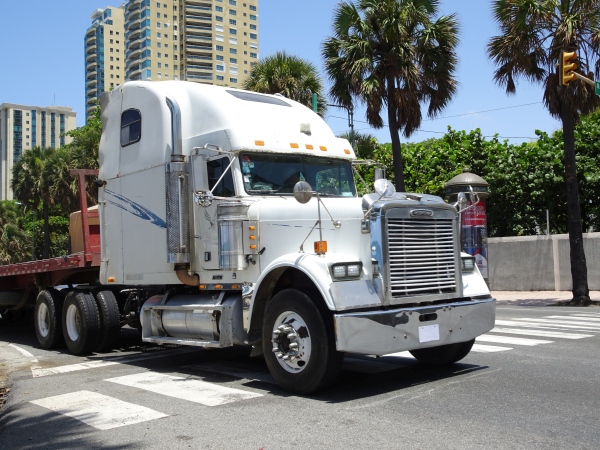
[
  {"x": 73, "y": 322},
  {"x": 291, "y": 342},
  {"x": 43, "y": 320}
]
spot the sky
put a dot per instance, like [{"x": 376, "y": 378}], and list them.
[{"x": 42, "y": 64}]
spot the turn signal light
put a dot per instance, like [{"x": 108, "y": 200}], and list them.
[{"x": 320, "y": 246}]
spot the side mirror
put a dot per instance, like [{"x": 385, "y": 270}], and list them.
[
  {"x": 379, "y": 173},
  {"x": 303, "y": 192},
  {"x": 384, "y": 188}
]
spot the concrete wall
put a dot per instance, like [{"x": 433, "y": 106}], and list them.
[{"x": 539, "y": 263}]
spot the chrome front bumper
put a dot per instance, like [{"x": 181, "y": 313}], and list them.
[{"x": 383, "y": 332}]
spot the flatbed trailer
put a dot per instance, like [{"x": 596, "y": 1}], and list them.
[{"x": 20, "y": 283}]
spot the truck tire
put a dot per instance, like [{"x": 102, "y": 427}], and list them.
[
  {"x": 299, "y": 343},
  {"x": 81, "y": 322},
  {"x": 47, "y": 318},
  {"x": 110, "y": 320},
  {"x": 444, "y": 354}
]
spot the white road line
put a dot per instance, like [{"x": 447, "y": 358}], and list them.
[
  {"x": 192, "y": 390},
  {"x": 37, "y": 371},
  {"x": 515, "y": 323},
  {"x": 22, "y": 351},
  {"x": 97, "y": 410},
  {"x": 541, "y": 333},
  {"x": 592, "y": 320},
  {"x": 511, "y": 340},
  {"x": 589, "y": 325},
  {"x": 481, "y": 348},
  {"x": 587, "y": 315}
]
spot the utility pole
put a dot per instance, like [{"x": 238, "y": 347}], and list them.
[{"x": 350, "y": 110}]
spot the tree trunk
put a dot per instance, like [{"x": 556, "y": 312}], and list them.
[
  {"x": 581, "y": 292},
  {"x": 46, "y": 214},
  {"x": 395, "y": 137}
]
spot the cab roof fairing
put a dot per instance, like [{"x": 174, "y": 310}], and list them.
[{"x": 208, "y": 109}]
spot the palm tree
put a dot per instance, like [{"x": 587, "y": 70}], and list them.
[
  {"x": 290, "y": 76},
  {"x": 534, "y": 33},
  {"x": 31, "y": 188},
  {"x": 14, "y": 241},
  {"x": 392, "y": 53}
]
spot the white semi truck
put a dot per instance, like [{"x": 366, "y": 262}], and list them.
[{"x": 229, "y": 217}]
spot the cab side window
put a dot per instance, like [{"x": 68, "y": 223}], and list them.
[
  {"x": 131, "y": 127},
  {"x": 215, "y": 169}
]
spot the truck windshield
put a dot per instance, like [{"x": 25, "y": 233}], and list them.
[{"x": 275, "y": 174}]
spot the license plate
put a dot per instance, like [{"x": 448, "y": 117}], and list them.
[{"x": 429, "y": 333}]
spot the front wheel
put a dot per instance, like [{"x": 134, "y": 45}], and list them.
[
  {"x": 81, "y": 322},
  {"x": 444, "y": 354},
  {"x": 299, "y": 344}
]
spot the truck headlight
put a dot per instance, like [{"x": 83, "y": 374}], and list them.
[
  {"x": 468, "y": 263},
  {"x": 344, "y": 271}
]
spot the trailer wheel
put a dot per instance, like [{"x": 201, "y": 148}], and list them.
[
  {"x": 110, "y": 320},
  {"x": 81, "y": 322},
  {"x": 299, "y": 344},
  {"x": 444, "y": 354},
  {"x": 48, "y": 318}
]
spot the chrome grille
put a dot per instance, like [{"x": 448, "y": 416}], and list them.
[{"x": 421, "y": 257}]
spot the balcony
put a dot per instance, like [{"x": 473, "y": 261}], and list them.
[
  {"x": 90, "y": 32},
  {"x": 200, "y": 68},
  {"x": 91, "y": 50},
  {"x": 198, "y": 7},
  {"x": 199, "y": 48},
  {"x": 193, "y": 37},
  {"x": 192, "y": 28},
  {"x": 91, "y": 67},
  {"x": 134, "y": 54},
  {"x": 195, "y": 19},
  {"x": 91, "y": 102},
  {"x": 134, "y": 24},
  {"x": 92, "y": 93},
  {"x": 91, "y": 84},
  {"x": 133, "y": 35},
  {"x": 195, "y": 58},
  {"x": 200, "y": 78},
  {"x": 91, "y": 57},
  {"x": 133, "y": 5},
  {"x": 134, "y": 16},
  {"x": 91, "y": 40},
  {"x": 92, "y": 75}
]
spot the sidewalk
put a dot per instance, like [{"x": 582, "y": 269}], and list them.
[{"x": 537, "y": 298}]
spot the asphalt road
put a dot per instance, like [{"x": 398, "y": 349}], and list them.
[{"x": 530, "y": 383}]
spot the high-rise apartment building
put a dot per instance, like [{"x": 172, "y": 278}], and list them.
[
  {"x": 206, "y": 41},
  {"x": 104, "y": 46},
  {"x": 24, "y": 127}
]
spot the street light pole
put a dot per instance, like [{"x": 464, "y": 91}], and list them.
[{"x": 350, "y": 110}]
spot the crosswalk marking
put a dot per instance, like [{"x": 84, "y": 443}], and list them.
[
  {"x": 511, "y": 340},
  {"x": 587, "y": 325},
  {"x": 552, "y": 334},
  {"x": 197, "y": 391},
  {"x": 37, "y": 371},
  {"x": 522, "y": 323},
  {"x": 482, "y": 348},
  {"x": 98, "y": 410},
  {"x": 595, "y": 320}
]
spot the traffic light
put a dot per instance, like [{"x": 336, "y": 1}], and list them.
[{"x": 567, "y": 67}]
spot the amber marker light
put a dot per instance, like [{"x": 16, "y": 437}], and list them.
[
  {"x": 218, "y": 286},
  {"x": 251, "y": 227},
  {"x": 320, "y": 246},
  {"x": 322, "y": 148},
  {"x": 309, "y": 147},
  {"x": 346, "y": 151},
  {"x": 202, "y": 286},
  {"x": 294, "y": 145},
  {"x": 259, "y": 143},
  {"x": 111, "y": 279}
]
